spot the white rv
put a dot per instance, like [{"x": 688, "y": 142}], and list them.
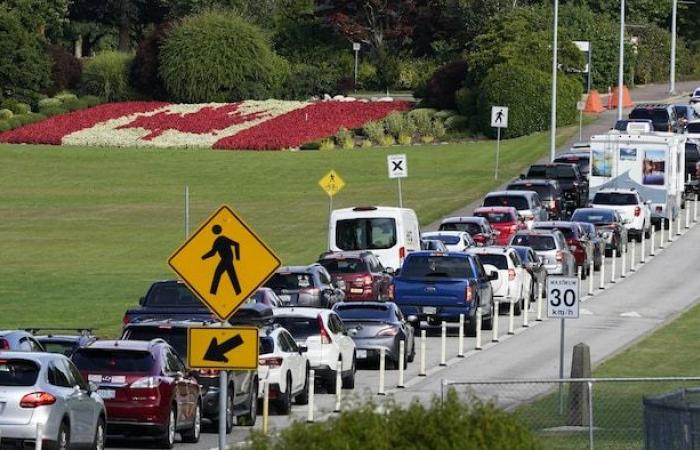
[{"x": 651, "y": 163}]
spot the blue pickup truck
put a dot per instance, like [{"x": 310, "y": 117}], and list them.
[{"x": 437, "y": 286}]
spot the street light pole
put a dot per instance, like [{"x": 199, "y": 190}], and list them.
[
  {"x": 672, "y": 88},
  {"x": 553, "y": 124},
  {"x": 621, "y": 68}
]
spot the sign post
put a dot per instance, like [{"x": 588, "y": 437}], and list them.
[
  {"x": 223, "y": 263},
  {"x": 331, "y": 184},
  {"x": 563, "y": 301},
  {"x": 356, "y": 48},
  {"x": 499, "y": 119},
  {"x": 580, "y": 106},
  {"x": 398, "y": 168}
]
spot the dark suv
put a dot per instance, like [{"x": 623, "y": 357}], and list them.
[
  {"x": 662, "y": 116},
  {"x": 550, "y": 193},
  {"x": 572, "y": 182},
  {"x": 363, "y": 275},
  {"x": 306, "y": 286},
  {"x": 145, "y": 387},
  {"x": 242, "y": 384}
]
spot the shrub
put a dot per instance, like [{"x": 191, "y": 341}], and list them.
[
  {"x": 144, "y": 71},
  {"x": 405, "y": 139},
  {"x": 441, "y": 87},
  {"x": 327, "y": 144},
  {"x": 216, "y": 56},
  {"x": 427, "y": 139},
  {"x": 395, "y": 123},
  {"x": 73, "y": 104},
  {"x": 366, "y": 143},
  {"x": 91, "y": 100},
  {"x": 5, "y": 114},
  {"x": 106, "y": 75},
  {"x": 4, "y": 126},
  {"x": 66, "y": 97},
  {"x": 15, "y": 106},
  {"x": 345, "y": 139},
  {"x": 15, "y": 122},
  {"x": 374, "y": 131},
  {"x": 466, "y": 99},
  {"x": 52, "y": 110},
  {"x": 457, "y": 123},
  {"x": 9, "y": 103},
  {"x": 31, "y": 117},
  {"x": 438, "y": 130},
  {"x": 367, "y": 76},
  {"x": 423, "y": 122},
  {"x": 47, "y": 102},
  {"x": 387, "y": 140},
  {"x": 445, "y": 113},
  {"x": 429, "y": 111},
  {"x": 65, "y": 69},
  {"x": 306, "y": 80}
]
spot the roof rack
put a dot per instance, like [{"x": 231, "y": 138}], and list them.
[{"x": 80, "y": 331}]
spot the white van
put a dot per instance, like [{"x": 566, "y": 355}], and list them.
[{"x": 388, "y": 232}]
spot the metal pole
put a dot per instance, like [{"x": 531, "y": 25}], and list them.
[
  {"x": 580, "y": 125},
  {"x": 400, "y": 194},
  {"x": 672, "y": 87},
  {"x": 498, "y": 151},
  {"x": 621, "y": 67},
  {"x": 443, "y": 345},
  {"x": 421, "y": 372},
  {"x": 357, "y": 53},
  {"x": 312, "y": 394},
  {"x": 495, "y": 321},
  {"x": 266, "y": 406},
  {"x": 187, "y": 211},
  {"x": 402, "y": 353},
  {"x": 590, "y": 66},
  {"x": 553, "y": 118},
  {"x": 382, "y": 366},
  {"x": 477, "y": 346},
  {"x": 590, "y": 415},
  {"x": 223, "y": 403},
  {"x": 561, "y": 364},
  {"x": 460, "y": 348}
]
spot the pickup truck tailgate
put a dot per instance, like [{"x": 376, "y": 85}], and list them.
[{"x": 421, "y": 292}]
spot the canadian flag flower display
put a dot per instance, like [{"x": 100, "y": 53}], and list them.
[{"x": 247, "y": 125}]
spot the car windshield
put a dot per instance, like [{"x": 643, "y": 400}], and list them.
[
  {"x": 496, "y": 217},
  {"x": 535, "y": 242},
  {"x": 429, "y": 266},
  {"x": 682, "y": 111},
  {"x": 523, "y": 253},
  {"x": 693, "y": 128},
  {"x": 169, "y": 295},
  {"x": 470, "y": 227},
  {"x": 655, "y": 115},
  {"x": 108, "y": 360},
  {"x": 431, "y": 244},
  {"x": 516, "y": 201},
  {"x": 593, "y": 216},
  {"x": 299, "y": 327},
  {"x": 446, "y": 239},
  {"x": 290, "y": 281},
  {"x": 500, "y": 261},
  {"x": 545, "y": 192},
  {"x": 365, "y": 233},
  {"x": 566, "y": 231},
  {"x": 18, "y": 372},
  {"x": 614, "y": 198},
  {"x": 176, "y": 337},
  {"x": 61, "y": 347},
  {"x": 267, "y": 345},
  {"x": 345, "y": 265},
  {"x": 363, "y": 312}
]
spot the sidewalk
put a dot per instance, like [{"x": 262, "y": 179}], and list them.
[{"x": 642, "y": 94}]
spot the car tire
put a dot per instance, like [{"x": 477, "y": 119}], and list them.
[
  {"x": 331, "y": 381},
  {"x": 98, "y": 443},
  {"x": 284, "y": 402},
  {"x": 517, "y": 308},
  {"x": 248, "y": 419},
  {"x": 191, "y": 436},
  {"x": 63, "y": 437},
  {"x": 303, "y": 397},
  {"x": 411, "y": 356},
  {"x": 348, "y": 381},
  {"x": 647, "y": 232},
  {"x": 470, "y": 327},
  {"x": 167, "y": 440}
]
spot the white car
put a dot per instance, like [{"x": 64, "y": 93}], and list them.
[
  {"x": 514, "y": 282},
  {"x": 321, "y": 333},
  {"x": 633, "y": 209},
  {"x": 285, "y": 368},
  {"x": 455, "y": 241}
]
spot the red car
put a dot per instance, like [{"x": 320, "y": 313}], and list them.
[
  {"x": 364, "y": 276},
  {"x": 505, "y": 220},
  {"x": 145, "y": 387}
]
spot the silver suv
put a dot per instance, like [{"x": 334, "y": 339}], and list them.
[
  {"x": 551, "y": 246},
  {"x": 19, "y": 341}
]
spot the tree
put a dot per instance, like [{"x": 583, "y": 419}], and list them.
[{"x": 42, "y": 16}]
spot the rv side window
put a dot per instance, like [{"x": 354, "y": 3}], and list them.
[{"x": 365, "y": 233}]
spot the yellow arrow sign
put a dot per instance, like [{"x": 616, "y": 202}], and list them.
[
  {"x": 331, "y": 183},
  {"x": 224, "y": 262},
  {"x": 222, "y": 348}
]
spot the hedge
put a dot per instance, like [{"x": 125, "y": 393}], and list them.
[{"x": 106, "y": 75}]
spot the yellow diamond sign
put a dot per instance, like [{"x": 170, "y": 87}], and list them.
[
  {"x": 331, "y": 183},
  {"x": 223, "y": 348},
  {"x": 224, "y": 262}
]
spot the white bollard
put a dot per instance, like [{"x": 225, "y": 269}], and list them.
[
  {"x": 602, "y": 273},
  {"x": 338, "y": 387},
  {"x": 695, "y": 209},
  {"x": 312, "y": 391},
  {"x": 460, "y": 345},
  {"x": 266, "y": 406},
  {"x": 623, "y": 263},
  {"x": 590, "y": 280},
  {"x": 662, "y": 228},
  {"x": 678, "y": 222},
  {"x": 421, "y": 372},
  {"x": 633, "y": 263},
  {"x": 579, "y": 274},
  {"x": 477, "y": 346},
  {"x": 539, "y": 302},
  {"x": 652, "y": 251},
  {"x": 39, "y": 436},
  {"x": 526, "y": 312},
  {"x": 687, "y": 217},
  {"x": 402, "y": 356},
  {"x": 443, "y": 345},
  {"x": 643, "y": 251},
  {"x": 495, "y": 321},
  {"x": 511, "y": 317},
  {"x": 382, "y": 367},
  {"x": 670, "y": 227},
  {"x": 612, "y": 269}
]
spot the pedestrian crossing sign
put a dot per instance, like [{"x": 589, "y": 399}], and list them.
[
  {"x": 331, "y": 183},
  {"x": 224, "y": 262}
]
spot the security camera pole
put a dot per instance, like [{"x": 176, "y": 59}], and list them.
[{"x": 499, "y": 119}]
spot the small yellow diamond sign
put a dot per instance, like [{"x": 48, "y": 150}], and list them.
[
  {"x": 223, "y": 348},
  {"x": 331, "y": 183},
  {"x": 224, "y": 262}
]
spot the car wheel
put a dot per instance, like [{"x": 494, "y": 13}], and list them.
[
  {"x": 229, "y": 410},
  {"x": 248, "y": 420},
  {"x": 63, "y": 437},
  {"x": 284, "y": 403},
  {"x": 470, "y": 327},
  {"x": 517, "y": 308},
  {"x": 349, "y": 380},
  {"x": 168, "y": 438},
  {"x": 647, "y": 232},
  {"x": 99, "y": 442},
  {"x": 191, "y": 436},
  {"x": 412, "y": 355},
  {"x": 331, "y": 381},
  {"x": 303, "y": 397}
]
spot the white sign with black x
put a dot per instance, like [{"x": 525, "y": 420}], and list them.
[{"x": 398, "y": 166}]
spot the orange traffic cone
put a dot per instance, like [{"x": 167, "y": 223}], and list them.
[
  {"x": 594, "y": 104},
  {"x": 626, "y": 98}
]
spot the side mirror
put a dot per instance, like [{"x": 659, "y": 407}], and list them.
[
  {"x": 303, "y": 349},
  {"x": 142, "y": 300},
  {"x": 647, "y": 202},
  {"x": 412, "y": 318},
  {"x": 493, "y": 276},
  {"x": 390, "y": 271}
]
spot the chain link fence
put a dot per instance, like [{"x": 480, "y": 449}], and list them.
[{"x": 598, "y": 413}]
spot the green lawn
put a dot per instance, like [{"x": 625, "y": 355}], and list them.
[
  {"x": 86, "y": 230},
  {"x": 618, "y": 414}
]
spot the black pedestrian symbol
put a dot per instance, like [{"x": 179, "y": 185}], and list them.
[
  {"x": 499, "y": 116},
  {"x": 398, "y": 166},
  {"x": 222, "y": 245}
]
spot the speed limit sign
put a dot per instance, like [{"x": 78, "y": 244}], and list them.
[{"x": 562, "y": 297}]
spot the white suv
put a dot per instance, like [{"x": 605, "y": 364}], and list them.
[
  {"x": 322, "y": 334},
  {"x": 514, "y": 281},
  {"x": 633, "y": 209}
]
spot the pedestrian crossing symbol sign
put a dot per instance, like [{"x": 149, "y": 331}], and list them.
[
  {"x": 331, "y": 183},
  {"x": 224, "y": 262}
]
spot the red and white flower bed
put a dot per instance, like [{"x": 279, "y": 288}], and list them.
[{"x": 254, "y": 125}]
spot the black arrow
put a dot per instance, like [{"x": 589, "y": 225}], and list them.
[{"x": 217, "y": 352}]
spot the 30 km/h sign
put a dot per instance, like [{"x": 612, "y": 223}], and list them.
[
  {"x": 223, "y": 348},
  {"x": 562, "y": 297},
  {"x": 224, "y": 262},
  {"x": 331, "y": 183}
]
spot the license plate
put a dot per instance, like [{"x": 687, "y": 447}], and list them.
[
  {"x": 361, "y": 354},
  {"x": 429, "y": 310},
  {"x": 107, "y": 394},
  {"x": 355, "y": 291}
]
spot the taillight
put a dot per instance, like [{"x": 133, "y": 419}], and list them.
[
  {"x": 125, "y": 319},
  {"x": 364, "y": 281},
  {"x": 402, "y": 253},
  {"x": 4, "y": 344},
  {"x": 560, "y": 255},
  {"x": 390, "y": 331},
  {"x": 511, "y": 274},
  {"x": 325, "y": 336},
  {"x": 553, "y": 204},
  {"x": 36, "y": 399},
  {"x": 637, "y": 211},
  {"x": 209, "y": 373},
  {"x": 145, "y": 383},
  {"x": 270, "y": 362},
  {"x": 469, "y": 294},
  {"x": 659, "y": 209},
  {"x": 392, "y": 291}
]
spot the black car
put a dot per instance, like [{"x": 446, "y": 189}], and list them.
[
  {"x": 376, "y": 325},
  {"x": 685, "y": 114},
  {"x": 662, "y": 116},
  {"x": 63, "y": 343},
  {"x": 306, "y": 286},
  {"x": 581, "y": 159},
  {"x": 608, "y": 225},
  {"x": 572, "y": 182},
  {"x": 621, "y": 125},
  {"x": 550, "y": 193}
]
